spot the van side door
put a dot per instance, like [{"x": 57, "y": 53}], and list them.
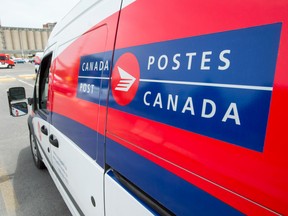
[
  {"x": 42, "y": 117},
  {"x": 81, "y": 70}
]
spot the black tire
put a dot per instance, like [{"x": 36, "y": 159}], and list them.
[{"x": 35, "y": 153}]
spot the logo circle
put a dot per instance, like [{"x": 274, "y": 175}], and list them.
[{"x": 125, "y": 79}]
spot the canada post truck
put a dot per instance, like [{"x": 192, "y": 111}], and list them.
[
  {"x": 6, "y": 61},
  {"x": 164, "y": 107}
]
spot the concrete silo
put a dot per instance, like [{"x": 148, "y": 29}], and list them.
[
  {"x": 15, "y": 39},
  {"x": 44, "y": 35},
  {"x": 8, "y": 39},
  {"x": 38, "y": 40},
  {"x": 31, "y": 41},
  {"x": 23, "y": 39},
  {"x": 2, "y": 39}
]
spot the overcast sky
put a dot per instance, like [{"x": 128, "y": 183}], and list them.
[{"x": 33, "y": 13}]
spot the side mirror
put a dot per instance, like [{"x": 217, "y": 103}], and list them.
[
  {"x": 19, "y": 109},
  {"x": 16, "y": 93},
  {"x": 17, "y": 106}
]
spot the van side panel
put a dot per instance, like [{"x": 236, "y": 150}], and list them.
[{"x": 197, "y": 101}]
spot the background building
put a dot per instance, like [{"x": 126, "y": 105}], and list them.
[{"x": 24, "y": 42}]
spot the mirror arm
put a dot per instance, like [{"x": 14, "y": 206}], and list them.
[
  {"x": 30, "y": 101},
  {"x": 9, "y": 103}
]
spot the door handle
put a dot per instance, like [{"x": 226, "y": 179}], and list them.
[
  {"x": 54, "y": 141},
  {"x": 44, "y": 130}
]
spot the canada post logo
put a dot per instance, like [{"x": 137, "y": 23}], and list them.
[
  {"x": 125, "y": 79},
  {"x": 217, "y": 85}
]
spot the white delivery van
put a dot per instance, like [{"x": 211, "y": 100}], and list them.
[{"x": 165, "y": 108}]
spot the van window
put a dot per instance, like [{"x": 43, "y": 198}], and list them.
[{"x": 42, "y": 83}]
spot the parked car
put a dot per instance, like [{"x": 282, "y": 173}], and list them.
[{"x": 19, "y": 61}]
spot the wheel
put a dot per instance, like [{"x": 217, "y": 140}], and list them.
[{"x": 35, "y": 153}]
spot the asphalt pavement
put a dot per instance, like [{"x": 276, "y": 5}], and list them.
[{"x": 24, "y": 189}]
